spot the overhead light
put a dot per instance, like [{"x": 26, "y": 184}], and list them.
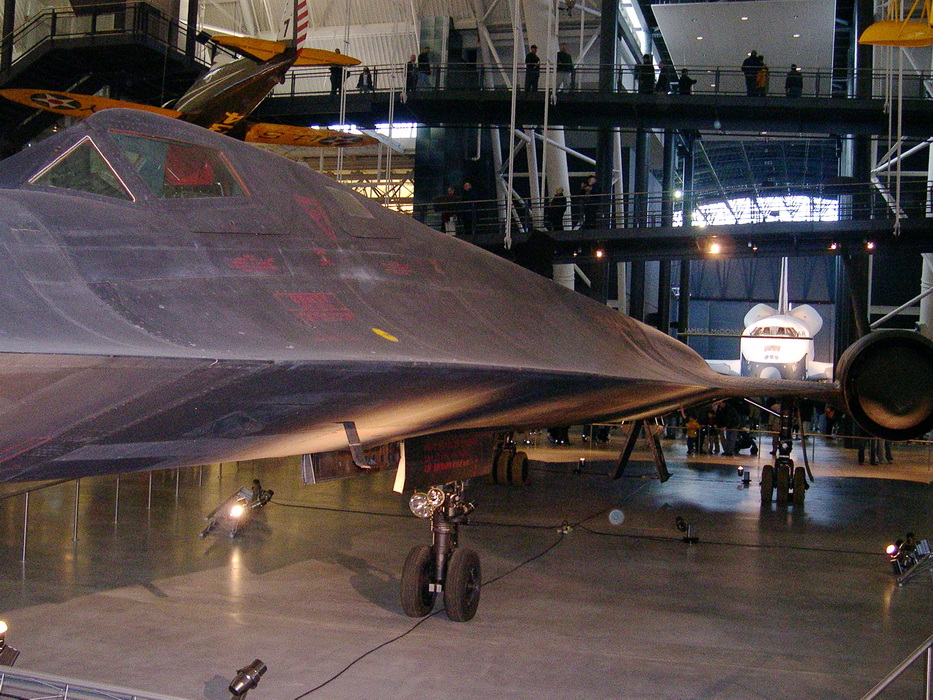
[
  {"x": 236, "y": 510},
  {"x": 699, "y": 38},
  {"x": 678, "y": 194},
  {"x": 869, "y": 245},
  {"x": 796, "y": 36},
  {"x": 744, "y": 19},
  {"x": 834, "y": 246},
  {"x": 714, "y": 247}
]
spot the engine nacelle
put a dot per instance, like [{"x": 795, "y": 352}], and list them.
[{"x": 886, "y": 380}]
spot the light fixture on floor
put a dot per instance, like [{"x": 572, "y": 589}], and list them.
[
  {"x": 247, "y": 678},
  {"x": 684, "y": 527},
  {"x": 8, "y": 654}
]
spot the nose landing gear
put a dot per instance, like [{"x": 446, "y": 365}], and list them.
[
  {"x": 442, "y": 567},
  {"x": 788, "y": 481}
]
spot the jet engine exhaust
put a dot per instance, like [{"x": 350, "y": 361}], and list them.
[{"x": 886, "y": 379}]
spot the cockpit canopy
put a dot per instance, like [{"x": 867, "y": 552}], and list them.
[{"x": 170, "y": 169}]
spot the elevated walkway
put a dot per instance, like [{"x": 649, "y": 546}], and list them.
[{"x": 721, "y": 105}]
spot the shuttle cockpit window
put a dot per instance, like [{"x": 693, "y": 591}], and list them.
[
  {"x": 175, "y": 170},
  {"x": 775, "y": 332},
  {"x": 83, "y": 168}
]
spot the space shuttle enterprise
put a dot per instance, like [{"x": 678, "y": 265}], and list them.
[{"x": 172, "y": 297}]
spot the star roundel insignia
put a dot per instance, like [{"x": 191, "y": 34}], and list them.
[{"x": 53, "y": 101}]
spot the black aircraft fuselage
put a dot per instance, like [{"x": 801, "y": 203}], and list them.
[{"x": 171, "y": 298}]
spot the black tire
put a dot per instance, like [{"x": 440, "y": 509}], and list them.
[
  {"x": 754, "y": 450},
  {"x": 501, "y": 473},
  {"x": 518, "y": 469},
  {"x": 767, "y": 485},
  {"x": 800, "y": 485},
  {"x": 462, "y": 585},
  {"x": 417, "y": 577},
  {"x": 782, "y": 483}
]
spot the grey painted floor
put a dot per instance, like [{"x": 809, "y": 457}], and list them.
[{"x": 771, "y": 603}]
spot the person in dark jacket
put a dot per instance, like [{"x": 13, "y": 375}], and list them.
[
  {"x": 336, "y": 78},
  {"x": 556, "y": 209},
  {"x": 793, "y": 83},
  {"x": 685, "y": 83},
  {"x": 644, "y": 75},
  {"x": 532, "y": 69},
  {"x": 667, "y": 76}
]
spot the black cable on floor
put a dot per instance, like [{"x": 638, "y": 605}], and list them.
[{"x": 425, "y": 619}]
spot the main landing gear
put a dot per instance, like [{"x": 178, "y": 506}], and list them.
[
  {"x": 442, "y": 567},
  {"x": 789, "y": 481}
]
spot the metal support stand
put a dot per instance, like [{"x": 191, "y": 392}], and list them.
[
  {"x": 77, "y": 499},
  {"x": 923, "y": 564},
  {"x": 116, "y": 503},
  {"x": 652, "y": 435},
  {"x": 25, "y": 523},
  {"x": 149, "y": 499}
]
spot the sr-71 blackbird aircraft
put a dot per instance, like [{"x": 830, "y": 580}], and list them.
[{"x": 171, "y": 297}]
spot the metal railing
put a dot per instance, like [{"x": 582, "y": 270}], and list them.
[
  {"x": 924, "y": 649},
  {"x": 139, "y": 21},
  {"x": 697, "y": 208},
  {"x": 30, "y": 685},
  {"x": 710, "y": 80}
]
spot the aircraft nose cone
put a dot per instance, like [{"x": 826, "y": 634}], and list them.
[{"x": 770, "y": 373}]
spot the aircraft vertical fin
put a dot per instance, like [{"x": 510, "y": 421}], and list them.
[
  {"x": 783, "y": 303},
  {"x": 294, "y": 25}
]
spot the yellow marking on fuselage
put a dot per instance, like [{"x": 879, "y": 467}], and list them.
[{"x": 382, "y": 334}]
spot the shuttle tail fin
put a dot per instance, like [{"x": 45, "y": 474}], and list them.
[{"x": 783, "y": 306}]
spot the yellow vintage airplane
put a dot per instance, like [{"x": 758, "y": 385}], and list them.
[{"x": 222, "y": 98}]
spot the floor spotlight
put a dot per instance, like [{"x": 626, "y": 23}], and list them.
[
  {"x": 247, "y": 678},
  {"x": 686, "y": 528},
  {"x": 8, "y": 654}
]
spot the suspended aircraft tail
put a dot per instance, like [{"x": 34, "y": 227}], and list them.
[{"x": 294, "y": 24}]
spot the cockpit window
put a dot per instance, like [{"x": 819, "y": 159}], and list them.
[
  {"x": 775, "y": 332},
  {"x": 85, "y": 169},
  {"x": 175, "y": 170}
]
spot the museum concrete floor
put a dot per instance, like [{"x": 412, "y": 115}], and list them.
[{"x": 772, "y": 602}]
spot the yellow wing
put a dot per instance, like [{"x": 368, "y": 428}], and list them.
[
  {"x": 72, "y": 105},
  {"x": 895, "y": 33},
  {"x": 320, "y": 57},
  {"x": 286, "y": 135},
  {"x": 263, "y": 50}
]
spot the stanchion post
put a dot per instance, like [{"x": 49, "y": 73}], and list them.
[
  {"x": 25, "y": 523},
  {"x": 116, "y": 502},
  {"x": 77, "y": 501}
]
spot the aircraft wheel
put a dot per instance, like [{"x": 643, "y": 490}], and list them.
[
  {"x": 501, "y": 472},
  {"x": 518, "y": 469},
  {"x": 800, "y": 485},
  {"x": 782, "y": 483},
  {"x": 417, "y": 596},
  {"x": 462, "y": 585},
  {"x": 767, "y": 484}
]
